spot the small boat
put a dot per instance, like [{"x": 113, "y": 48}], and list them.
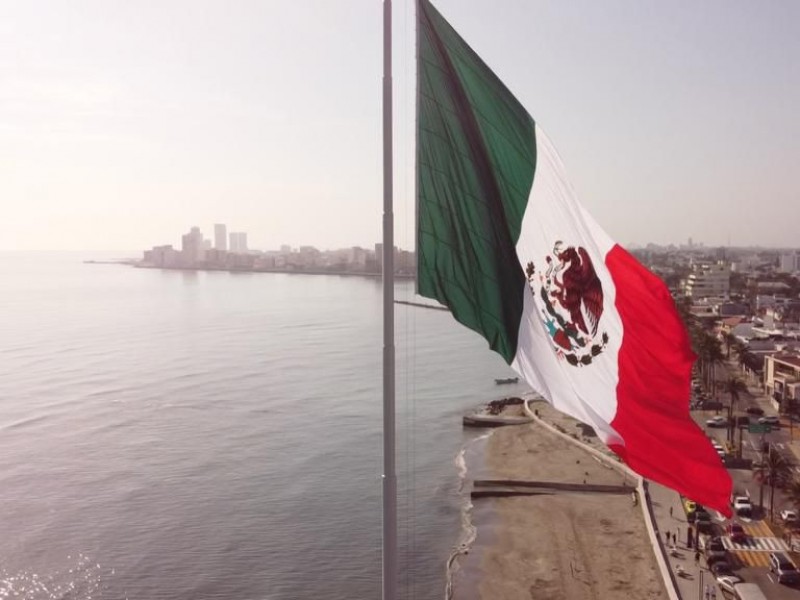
[{"x": 506, "y": 380}]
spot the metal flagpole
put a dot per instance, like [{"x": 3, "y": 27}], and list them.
[{"x": 389, "y": 476}]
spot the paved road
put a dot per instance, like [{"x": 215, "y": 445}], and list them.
[{"x": 750, "y": 559}]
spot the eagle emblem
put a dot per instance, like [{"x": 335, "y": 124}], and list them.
[{"x": 569, "y": 296}]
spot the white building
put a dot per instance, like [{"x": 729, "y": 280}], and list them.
[
  {"x": 789, "y": 263},
  {"x": 192, "y": 247},
  {"x": 707, "y": 280},
  {"x": 238, "y": 242},
  {"x": 220, "y": 237}
]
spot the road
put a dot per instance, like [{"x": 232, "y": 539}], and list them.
[{"x": 751, "y": 559}]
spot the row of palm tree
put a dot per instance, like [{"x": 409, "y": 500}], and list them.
[{"x": 709, "y": 350}]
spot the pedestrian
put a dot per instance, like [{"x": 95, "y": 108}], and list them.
[
  {"x": 674, "y": 539},
  {"x": 697, "y": 558},
  {"x": 708, "y": 592},
  {"x": 713, "y": 593},
  {"x": 670, "y": 512}
]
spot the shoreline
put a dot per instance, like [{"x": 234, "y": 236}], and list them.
[
  {"x": 139, "y": 265},
  {"x": 555, "y": 544}
]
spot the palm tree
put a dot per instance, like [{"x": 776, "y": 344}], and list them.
[
  {"x": 712, "y": 357},
  {"x": 730, "y": 341},
  {"x": 733, "y": 386},
  {"x": 775, "y": 471}
]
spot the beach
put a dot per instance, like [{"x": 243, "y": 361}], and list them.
[{"x": 556, "y": 544}]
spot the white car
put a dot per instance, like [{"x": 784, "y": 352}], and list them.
[
  {"x": 769, "y": 421},
  {"x": 718, "y": 421},
  {"x": 789, "y": 517},
  {"x": 726, "y": 582},
  {"x": 742, "y": 506}
]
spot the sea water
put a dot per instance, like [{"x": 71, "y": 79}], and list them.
[{"x": 196, "y": 435}]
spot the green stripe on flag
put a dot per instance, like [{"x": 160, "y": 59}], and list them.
[{"x": 476, "y": 156}]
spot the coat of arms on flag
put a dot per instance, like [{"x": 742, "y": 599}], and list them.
[{"x": 569, "y": 296}]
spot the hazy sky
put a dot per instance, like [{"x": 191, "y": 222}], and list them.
[{"x": 124, "y": 123}]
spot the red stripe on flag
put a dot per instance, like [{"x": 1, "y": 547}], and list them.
[{"x": 662, "y": 442}]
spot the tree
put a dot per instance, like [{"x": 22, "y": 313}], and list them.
[
  {"x": 733, "y": 386},
  {"x": 730, "y": 341},
  {"x": 774, "y": 471},
  {"x": 710, "y": 352}
]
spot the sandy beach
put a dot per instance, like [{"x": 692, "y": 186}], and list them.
[{"x": 569, "y": 545}]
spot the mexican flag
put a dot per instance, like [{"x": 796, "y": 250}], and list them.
[{"x": 503, "y": 242}]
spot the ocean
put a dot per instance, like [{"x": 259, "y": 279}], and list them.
[{"x": 197, "y": 435}]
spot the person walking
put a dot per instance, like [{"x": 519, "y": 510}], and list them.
[
  {"x": 697, "y": 557},
  {"x": 713, "y": 593},
  {"x": 670, "y": 512}
]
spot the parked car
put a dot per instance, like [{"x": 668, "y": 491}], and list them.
[
  {"x": 726, "y": 582},
  {"x": 789, "y": 517},
  {"x": 754, "y": 410},
  {"x": 742, "y": 506},
  {"x": 711, "y": 405},
  {"x": 770, "y": 420},
  {"x": 742, "y": 421},
  {"x": 783, "y": 567},
  {"x": 718, "y": 421},
  {"x": 715, "y": 558},
  {"x": 703, "y": 522},
  {"x": 720, "y": 568},
  {"x": 736, "y": 532}
]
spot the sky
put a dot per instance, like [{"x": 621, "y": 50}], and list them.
[{"x": 123, "y": 124}]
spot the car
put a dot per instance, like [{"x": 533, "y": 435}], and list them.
[
  {"x": 720, "y": 568},
  {"x": 714, "y": 549},
  {"x": 769, "y": 420},
  {"x": 754, "y": 410},
  {"x": 703, "y": 522},
  {"x": 726, "y": 582},
  {"x": 736, "y": 532},
  {"x": 742, "y": 506},
  {"x": 716, "y": 557},
  {"x": 718, "y": 421},
  {"x": 692, "y": 510},
  {"x": 783, "y": 567},
  {"x": 711, "y": 405},
  {"x": 710, "y": 543},
  {"x": 742, "y": 421},
  {"x": 789, "y": 517}
]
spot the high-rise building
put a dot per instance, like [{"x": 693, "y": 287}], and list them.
[
  {"x": 789, "y": 263},
  {"x": 192, "y": 246},
  {"x": 220, "y": 237},
  {"x": 238, "y": 242}
]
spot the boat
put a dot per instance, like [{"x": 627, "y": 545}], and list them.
[{"x": 506, "y": 380}]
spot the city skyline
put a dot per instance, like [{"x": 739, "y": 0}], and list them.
[{"x": 673, "y": 121}]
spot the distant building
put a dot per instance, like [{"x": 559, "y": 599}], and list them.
[
  {"x": 782, "y": 380},
  {"x": 238, "y": 242},
  {"x": 192, "y": 247},
  {"x": 220, "y": 237},
  {"x": 162, "y": 256},
  {"x": 709, "y": 280}
]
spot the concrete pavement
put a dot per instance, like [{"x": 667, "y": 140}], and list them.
[{"x": 670, "y": 518}]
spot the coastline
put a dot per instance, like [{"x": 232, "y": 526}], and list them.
[
  {"x": 202, "y": 267},
  {"x": 553, "y": 544}
]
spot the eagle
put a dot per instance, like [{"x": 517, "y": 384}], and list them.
[{"x": 579, "y": 292}]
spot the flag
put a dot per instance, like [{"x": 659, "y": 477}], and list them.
[{"x": 503, "y": 242}]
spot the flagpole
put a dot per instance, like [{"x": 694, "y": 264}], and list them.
[{"x": 389, "y": 476}]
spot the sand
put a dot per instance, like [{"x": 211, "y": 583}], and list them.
[{"x": 556, "y": 545}]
